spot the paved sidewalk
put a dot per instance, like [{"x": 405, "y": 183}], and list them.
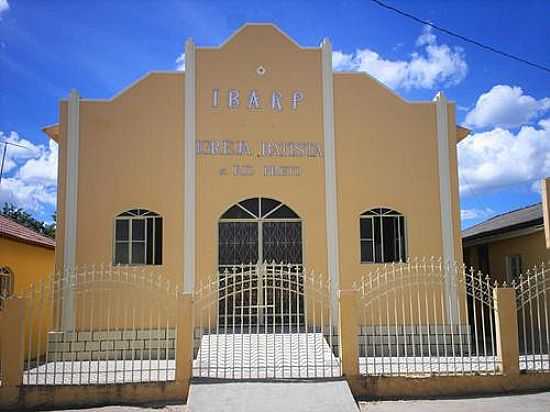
[
  {"x": 167, "y": 408},
  {"x": 321, "y": 396},
  {"x": 539, "y": 402}
]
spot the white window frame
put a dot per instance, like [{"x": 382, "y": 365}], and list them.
[
  {"x": 381, "y": 213},
  {"x": 137, "y": 215}
]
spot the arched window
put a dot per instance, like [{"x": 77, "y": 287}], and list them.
[
  {"x": 6, "y": 284},
  {"x": 138, "y": 238},
  {"x": 383, "y": 236}
]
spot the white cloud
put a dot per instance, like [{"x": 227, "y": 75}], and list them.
[
  {"x": 30, "y": 181},
  {"x": 470, "y": 214},
  {"x": 180, "y": 62},
  {"x": 21, "y": 149},
  {"x": 536, "y": 186},
  {"x": 4, "y": 7},
  {"x": 431, "y": 65},
  {"x": 42, "y": 169},
  {"x": 506, "y": 106},
  {"x": 498, "y": 157}
]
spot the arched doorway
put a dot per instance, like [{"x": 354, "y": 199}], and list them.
[
  {"x": 263, "y": 315},
  {"x": 253, "y": 232},
  {"x": 259, "y": 230}
]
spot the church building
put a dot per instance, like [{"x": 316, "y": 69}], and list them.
[{"x": 257, "y": 152}]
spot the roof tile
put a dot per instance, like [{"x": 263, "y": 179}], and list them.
[{"x": 16, "y": 231}]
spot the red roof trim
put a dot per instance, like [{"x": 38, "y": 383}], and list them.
[{"x": 10, "y": 229}]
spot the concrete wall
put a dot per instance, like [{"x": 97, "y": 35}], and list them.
[
  {"x": 29, "y": 263},
  {"x": 288, "y": 68},
  {"x": 387, "y": 157},
  {"x": 131, "y": 156},
  {"x": 530, "y": 247}
]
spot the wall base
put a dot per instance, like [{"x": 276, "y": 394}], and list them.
[
  {"x": 80, "y": 396},
  {"x": 393, "y": 388}
]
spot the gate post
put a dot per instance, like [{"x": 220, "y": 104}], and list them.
[
  {"x": 506, "y": 323},
  {"x": 12, "y": 346},
  {"x": 184, "y": 339},
  {"x": 349, "y": 323}
]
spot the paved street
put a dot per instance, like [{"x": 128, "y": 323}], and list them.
[{"x": 539, "y": 402}]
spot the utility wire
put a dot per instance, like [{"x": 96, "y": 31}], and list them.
[
  {"x": 461, "y": 37},
  {"x": 6, "y": 143}
]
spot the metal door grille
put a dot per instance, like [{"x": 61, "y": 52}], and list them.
[
  {"x": 265, "y": 321},
  {"x": 253, "y": 231}
]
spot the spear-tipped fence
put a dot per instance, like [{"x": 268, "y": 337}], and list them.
[
  {"x": 533, "y": 304},
  {"x": 424, "y": 317},
  {"x": 121, "y": 327},
  {"x": 105, "y": 324},
  {"x": 267, "y": 320}
]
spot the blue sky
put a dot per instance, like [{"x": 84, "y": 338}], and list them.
[{"x": 99, "y": 47}]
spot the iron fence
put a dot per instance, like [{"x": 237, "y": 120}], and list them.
[
  {"x": 532, "y": 302},
  {"x": 98, "y": 325},
  {"x": 424, "y": 317},
  {"x": 262, "y": 321}
]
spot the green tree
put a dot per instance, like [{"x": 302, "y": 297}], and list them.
[{"x": 24, "y": 218}]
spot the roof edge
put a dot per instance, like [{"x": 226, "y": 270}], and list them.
[
  {"x": 235, "y": 33},
  {"x": 27, "y": 241},
  {"x": 52, "y": 131}
]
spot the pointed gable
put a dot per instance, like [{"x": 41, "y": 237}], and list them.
[{"x": 268, "y": 35}]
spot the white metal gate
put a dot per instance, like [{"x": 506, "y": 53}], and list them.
[{"x": 265, "y": 321}]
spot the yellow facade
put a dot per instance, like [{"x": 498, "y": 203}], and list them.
[
  {"x": 28, "y": 263},
  {"x": 530, "y": 247},
  {"x": 131, "y": 155}
]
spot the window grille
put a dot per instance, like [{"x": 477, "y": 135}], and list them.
[
  {"x": 6, "y": 284},
  {"x": 513, "y": 267},
  {"x": 259, "y": 230},
  {"x": 382, "y": 236},
  {"x": 138, "y": 238}
]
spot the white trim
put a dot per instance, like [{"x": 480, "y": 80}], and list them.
[
  {"x": 331, "y": 203},
  {"x": 385, "y": 86},
  {"x": 189, "y": 187},
  {"x": 442, "y": 125},
  {"x": 244, "y": 26},
  {"x": 132, "y": 84},
  {"x": 71, "y": 197}
]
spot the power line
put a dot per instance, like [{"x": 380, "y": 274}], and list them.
[
  {"x": 6, "y": 143},
  {"x": 461, "y": 37},
  {"x": 14, "y": 144}
]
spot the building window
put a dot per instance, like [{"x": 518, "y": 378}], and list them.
[
  {"x": 383, "y": 236},
  {"x": 138, "y": 238},
  {"x": 6, "y": 284},
  {"x": 513, "y": 267}
]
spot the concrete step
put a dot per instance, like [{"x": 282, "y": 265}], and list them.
[
  {"x": 291, "y": 396},
  {"x": 265, "y": 356}
]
